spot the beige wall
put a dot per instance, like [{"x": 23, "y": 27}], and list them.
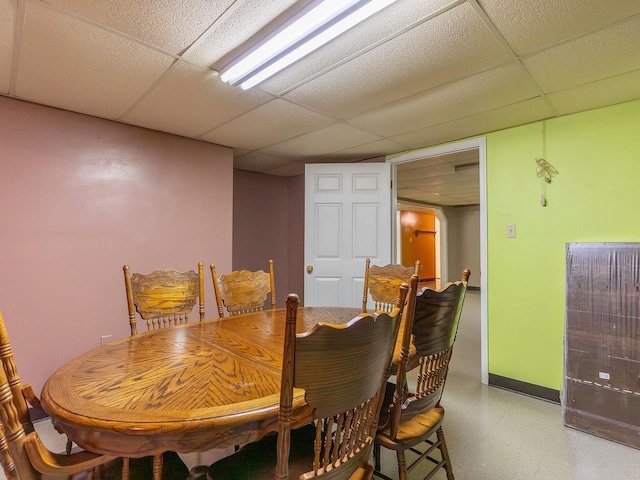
[
  {"x": 463, "y": 233},
  {"x": 81, "y": 196}
]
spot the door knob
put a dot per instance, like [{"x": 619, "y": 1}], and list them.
[{"x": 309, "y": 268}]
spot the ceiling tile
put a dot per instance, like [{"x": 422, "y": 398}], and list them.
[
  {"x": 612, "y": 90},
  {"x": 291, "y": 170},
  {"x": 87, "y": 69},
  {"x": 586, "y": 59},
  {"x": 8, "y": 11},
  {"x": 238, "y": 26},
  {"x": 504, "y": 117},
  {"x": 442, "y": 49},
  {"x": 376, "y": 28},
  {"x": 529, "y": 25},
  {"x": 167, "y": 24},
  {"x": 259, "y": 162},
  {"x": 238, "y": 152},
  {"x": 405, "y": 169},
  {"x": 424, "y": 171},
  {"x": 373, "y": 149},
  {"x": 321, "y": 142},
  {"x": 487, "y": 90},
  {"x": 191, "y": 100},
  {"x": 267, "y": 124}
]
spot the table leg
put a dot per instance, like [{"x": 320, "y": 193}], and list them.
[{"x": 157, "y": 467}]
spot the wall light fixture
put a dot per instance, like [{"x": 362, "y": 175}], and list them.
[{"x": 316, "y": 25}]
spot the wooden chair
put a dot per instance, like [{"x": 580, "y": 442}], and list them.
[
  {"x": 412, "y": 418},
  {"x": 382, "y": 284},
  {"x": 342, "y": 369},
  {"x": 23, "y": 455},
  {"x": 163, "y": 297},
  {"x": 242, "y": 291}
]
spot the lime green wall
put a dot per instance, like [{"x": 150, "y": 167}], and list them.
[{"x": 595, "y": 198}]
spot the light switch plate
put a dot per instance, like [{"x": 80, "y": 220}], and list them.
[{"x": 511, "y": 230}]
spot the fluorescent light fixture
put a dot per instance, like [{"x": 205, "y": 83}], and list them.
[{"x": 316, "y": 26}]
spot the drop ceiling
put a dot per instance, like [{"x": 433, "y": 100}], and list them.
[{"x": 420, "y": 73}]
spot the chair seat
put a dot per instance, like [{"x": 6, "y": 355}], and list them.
[
  {"x": 410, "y": 433},
  {"x": 257, "y": 461}
]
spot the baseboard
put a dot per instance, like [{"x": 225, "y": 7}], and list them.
[
  {"x": 529, "y": 389},
  {"x": 473, "y": 289}
]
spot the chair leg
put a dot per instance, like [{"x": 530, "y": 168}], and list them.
[
  {"x": 402, "y": 465},
  {"x": 125, "y": 468},
  {"x": 157, "y": 467},
  {"x": 445, "y": 453},
  {"x": 376, "y": 456}
]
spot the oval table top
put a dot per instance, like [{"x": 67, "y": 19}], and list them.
[{"x": 187, "y": 388}]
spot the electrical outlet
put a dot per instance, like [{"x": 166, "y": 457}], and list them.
[
  {"x": 104, "y": 339},
  {"x": 511, "y": 230}
]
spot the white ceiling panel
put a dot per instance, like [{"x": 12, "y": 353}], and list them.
[
  {"x": 417, "y": 74},
  {"x": 618, "y": 89},
  {"x": 511, "y": 115},
  {"x": 487, "y": 90},
  {"x": 244, "y": 19},
  {"x": 190, "y": 100},
  {"x": 447, "y": 47},
  {"x": 586, "y": 59},
  {"x": 530, "y": 25},
  {"x": 322, "y": 142},
  {"x": 168, "y": 24},
  {"x": 416, "y": 168},
  {"x": 259, "y": 162},
  {"x": 257, "y": 129},
  {"x": 291, "y": 170},
  {"x": 393, "y": 19},
  {"x": 8, "y": 12},
  {"x": 370, "y": 150},
  {"x": 67, "y": 63}
]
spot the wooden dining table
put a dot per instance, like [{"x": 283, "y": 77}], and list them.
[{"x": 186, "y": 389}]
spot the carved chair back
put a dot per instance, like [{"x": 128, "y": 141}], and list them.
[
  {"x": 163, "y": 298},
  {"x": 382, "y": 283},
  {"x": 343, "y": 387},
  {"x": 243, "y": 291},
  {"x": 433, "y": 317}
]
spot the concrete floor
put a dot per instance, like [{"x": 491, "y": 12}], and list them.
[{"x": 492, "y": 434}]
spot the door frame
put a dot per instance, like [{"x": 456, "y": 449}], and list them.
[{"x": 479, "y": 143}]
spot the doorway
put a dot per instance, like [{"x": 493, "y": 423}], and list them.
[{"x": 448, "y": 179}]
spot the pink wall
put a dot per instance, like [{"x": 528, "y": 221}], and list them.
[
  {"x": 296, "y": 235},
  {"x": 80, "y": 197},
  {"x": 268, "y": 223}
]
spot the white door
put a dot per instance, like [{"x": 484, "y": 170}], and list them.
[{"x": 347, "y": 220}]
